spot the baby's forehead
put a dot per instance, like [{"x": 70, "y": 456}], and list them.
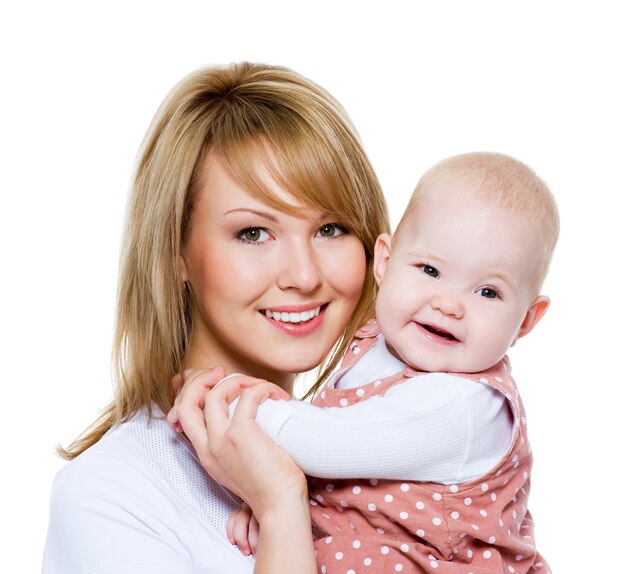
[{"x": 472, "y": 233}]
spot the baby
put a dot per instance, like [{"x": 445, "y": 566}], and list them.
[
  {"x": 424, "y": 400},
  {"x": 459, "y": 284}
]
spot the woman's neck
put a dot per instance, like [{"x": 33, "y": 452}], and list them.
[{"x": 197, "y": 359}]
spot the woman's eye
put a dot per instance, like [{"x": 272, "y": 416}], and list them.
[
  {"x": 488, "y": 293},
  {"x": 253, "y": 235},
  {"x": 431, "y": 271},
  {"x": 331, "y": 230}
]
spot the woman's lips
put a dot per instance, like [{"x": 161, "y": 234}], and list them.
[
  {"x": 293, "y": 316},
  {"x": 296, "y": 322}
]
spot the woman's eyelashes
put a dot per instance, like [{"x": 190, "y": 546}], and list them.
[
  {"x": 259, "y": 235},
  {"x": 253, "y": 235},
  {"x": 331, "y": 230}
]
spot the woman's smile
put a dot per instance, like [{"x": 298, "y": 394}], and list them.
[
  {"x": 297, "y": 323},
  {"x": 288, "y": 315},
  {"x": 269, "y": 288}
]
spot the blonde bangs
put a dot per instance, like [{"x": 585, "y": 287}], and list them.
[{"x": 318, "y": 175}]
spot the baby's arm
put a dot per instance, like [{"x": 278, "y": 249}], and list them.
[{"x": 435, "y": 427}]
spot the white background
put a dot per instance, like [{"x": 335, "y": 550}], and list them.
[{"x": 543, "y": 81}]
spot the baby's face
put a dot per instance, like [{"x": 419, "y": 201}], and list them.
[{"x": 456, "y": 289}]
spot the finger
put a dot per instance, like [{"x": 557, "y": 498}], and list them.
[
  {"x": 192, "y": 381},
  {"x": 187, "y": 413},
  {"x": 191, "y": 421},
  {"x": 250, "y": 399},
  {"x": 194, "y": 390},
  {"x": 216, "y": 414},
  {"x": 227, "y": 390},
  {"x": 253, "y": 534},
  {"x": 172, "y": 416},
  {"x": 240, "y": 529},
  {"x": 206, "y": 377},
  {"x": 230, "y": 524}
]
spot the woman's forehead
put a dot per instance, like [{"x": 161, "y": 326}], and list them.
[{"x": 218, "y": 184}]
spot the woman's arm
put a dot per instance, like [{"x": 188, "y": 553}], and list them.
[{"x": 239, "y": 455}]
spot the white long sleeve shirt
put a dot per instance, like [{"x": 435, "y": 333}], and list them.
[
  {"x": 139, "y": 502},
  {"x": 435, "y": 427}
]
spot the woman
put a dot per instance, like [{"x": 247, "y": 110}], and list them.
[{"x": 248, "y": 244}]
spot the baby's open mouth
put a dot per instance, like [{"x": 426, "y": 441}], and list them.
[{"x": 439, "y": 332}]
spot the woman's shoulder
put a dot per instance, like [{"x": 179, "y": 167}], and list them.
[
  {"x": 141, "y": 487},
  {"x": 137, "y": 455},
  {"x": 115, "y": 468}
]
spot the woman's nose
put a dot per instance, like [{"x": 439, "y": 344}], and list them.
[
  {"x": 300, "y": 268},
  {"x": 448, "y": 304}
]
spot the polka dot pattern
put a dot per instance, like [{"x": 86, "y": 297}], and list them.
[{"x": 392, "y": 526}]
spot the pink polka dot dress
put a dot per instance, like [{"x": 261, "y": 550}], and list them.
[{"x": 379, "y": 526}]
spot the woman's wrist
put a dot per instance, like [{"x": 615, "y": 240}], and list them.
[
  {"x": 285, "y": 538},
  {"x": 282, "y": 499}
]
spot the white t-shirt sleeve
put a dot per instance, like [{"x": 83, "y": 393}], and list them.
[
  {"x": 104, "y": 518},
  {"x": 436, "y": 427}
]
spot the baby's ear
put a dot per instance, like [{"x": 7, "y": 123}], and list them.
[
  {"x": 382, "y": 251},
  {"x": 535, "y": 312}
]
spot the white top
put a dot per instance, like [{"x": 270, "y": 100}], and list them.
[
  {"x": 139, "y": 502},
  {"x": 436, "y": 427}
]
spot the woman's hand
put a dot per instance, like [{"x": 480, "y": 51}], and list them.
[
  {"x": 191, "y": 387},
  {"x": 237, "y": 454}
]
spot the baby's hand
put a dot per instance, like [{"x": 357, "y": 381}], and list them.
[{"x": 243, "y": 529}]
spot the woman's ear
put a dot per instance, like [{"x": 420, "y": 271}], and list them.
[
  {"x": 382, "y": 251},
  {"x": 535, "y": 312}
]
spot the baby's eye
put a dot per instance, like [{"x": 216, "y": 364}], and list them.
[
  {"x": 329, "y": 230},
  {"x": 253, "y": 235},
  {"x": 429, "y": 270},
  {"x": 488, "y": 293}
]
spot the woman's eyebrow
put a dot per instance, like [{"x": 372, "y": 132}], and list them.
[{"x": 263, "y": 214}]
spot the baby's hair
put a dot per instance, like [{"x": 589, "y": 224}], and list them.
[{"x": 499, "y": 180}]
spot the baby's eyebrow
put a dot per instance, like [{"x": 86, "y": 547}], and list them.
[
  {"x": 502, "y": 277},
  {"x": 431, "y": 257},
  {"x": 264, "y": 214}
]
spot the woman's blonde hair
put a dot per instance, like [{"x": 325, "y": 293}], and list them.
[{"x": 251, "y": 115}]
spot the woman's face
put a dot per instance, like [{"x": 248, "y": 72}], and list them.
[{"x": 273, "y": 291}]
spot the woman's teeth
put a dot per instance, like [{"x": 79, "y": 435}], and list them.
[{"x": 293, "y": 317}]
